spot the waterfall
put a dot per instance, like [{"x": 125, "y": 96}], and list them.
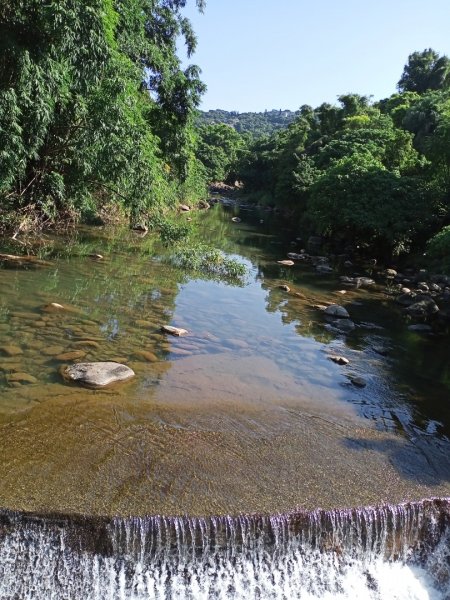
[{"x": 387, "y": 552}]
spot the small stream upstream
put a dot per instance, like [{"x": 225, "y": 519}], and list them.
[{"x": 237, "y": 462}]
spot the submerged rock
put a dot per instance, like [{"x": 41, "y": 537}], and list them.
[
  {"x": 72, "y": 355},
  {"x": 357, "y": 381},
  {"x": 11, "y": 350},
  {"x": 97, "y": 375},
  {"x": 146, "y": 355},
  {"x": 177, "y": 331},
  {"x": 344, "y": 325},
  {"x": 20, "y": 378}
]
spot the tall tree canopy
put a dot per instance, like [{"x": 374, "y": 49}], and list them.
[
  {"x": 364, "y": 173},
  {"x": 94, "y": 105},
  {"x": 424, "y": 71}
]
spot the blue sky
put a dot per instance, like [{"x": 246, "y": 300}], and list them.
[{"x": 264, "y": 54}]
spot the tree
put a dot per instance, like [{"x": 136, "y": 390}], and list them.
[
  {"x": 359, "y": 201},
  {"x": 94, "y": 105},
  {"x": 424, "y": 71},
  {"x": 219, "y": 147}
]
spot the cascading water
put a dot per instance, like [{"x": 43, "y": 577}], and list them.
[{"x": 390, "y": 552}]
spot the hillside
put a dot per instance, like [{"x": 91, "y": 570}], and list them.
[{"x": 256, "y": 124}]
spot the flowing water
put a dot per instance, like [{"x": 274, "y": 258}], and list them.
[{"x": 234, "y": 463}]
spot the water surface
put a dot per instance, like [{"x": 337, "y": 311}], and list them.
[{"x": 246, "y": 414}]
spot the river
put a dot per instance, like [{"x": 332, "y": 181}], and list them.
[{"x": 240, "y": 461}]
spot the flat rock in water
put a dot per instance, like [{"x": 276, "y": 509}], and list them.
[
  {"x": 285, "y": 288},
  {"x": 177, "y": 331},
  {"x": 97, "y": 375},
  {"x": 335, "y": 310},
  {"x": 185, "y": 208}
]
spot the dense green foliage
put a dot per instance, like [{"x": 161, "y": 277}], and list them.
[
  {"x": 95, "y": 107},
  {"x": 220, "y": 148},
  {"x": 364, "y": 174},
  {"x": 253, "y": 124}
]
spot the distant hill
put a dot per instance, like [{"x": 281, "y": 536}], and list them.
[{"x": 256, "y": 124}]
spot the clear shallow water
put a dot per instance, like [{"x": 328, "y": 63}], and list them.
[{"x": 244, "y": 415}]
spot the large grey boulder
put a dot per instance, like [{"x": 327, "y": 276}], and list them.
[{"x": 97, "y": 374}]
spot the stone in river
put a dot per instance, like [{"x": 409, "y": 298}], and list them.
[
  {"x": 185, "y": 208},
  {"x": 148, "y": 356},
  {"x": 11, "y": 350},
  {"x": 335, "y": 310},
  {"x": 177, "y": 331},
  {"x": 20, "y": 378},
  {"x": 286, "y": 263},
  {"x": 73, "y": 355},
  {"x": 339, "y": 360},
  {"x": 97, "y": 375},
  {"x": 285, "y": 288}
]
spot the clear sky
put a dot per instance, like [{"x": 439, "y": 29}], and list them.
[{"x": 264, "y": 54}]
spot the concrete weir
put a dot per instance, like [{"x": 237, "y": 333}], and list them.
[{"x": 302, "y": 554}]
